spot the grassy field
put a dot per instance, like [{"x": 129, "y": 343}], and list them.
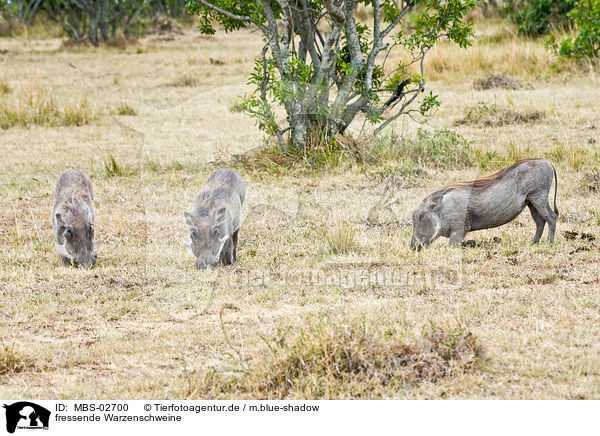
[{"x": 327, "y": 300}]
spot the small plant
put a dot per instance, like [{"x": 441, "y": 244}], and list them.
[
  {"x": 341, "y": 238},
  {"x": 187, "y": 80},
  {"x": 112, "y": 168},
  {"x": 328, "y": 361},
  {"x": 591, "y": 180},
  {"x": 4, "y": 88},
  {"x": 125, "y": 110},
  {"x": 77, "y": 113},
  {"x": 437, "y": 149},
  {"x": 11, "y": 361}
]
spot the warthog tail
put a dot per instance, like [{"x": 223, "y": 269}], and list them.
[{"x": 555, "y": 189}]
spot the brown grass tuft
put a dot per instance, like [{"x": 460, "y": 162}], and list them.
[
  {"x": 4, "y": 87},
  {"x": 186, "y": 80},
  {"x": 12, "y": 362},
  {"x": 37, "y": 105},
  {"x": 591, "y": 180},
  {"x": 345, "y": 361},
  {"x": 321, "y": 363},
  {"x": 341, "y": 238},
  {"x": 491, "y": 80},
  {"x": 124, "y": 109},
  {"x": 492, "y": 116}
]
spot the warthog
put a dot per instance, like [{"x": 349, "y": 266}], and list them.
[
  {"x": 215, "y": 220},
  {"x": 73, "y": 219},
  {"x": 488, "y": 202}
]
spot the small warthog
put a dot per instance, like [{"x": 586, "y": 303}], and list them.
[
  {"x": 73, "y": 219},
  {"x": 215, "y": 220},
  {"x": 488, "y": 202}
]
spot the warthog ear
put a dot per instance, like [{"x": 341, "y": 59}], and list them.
[
  {"x": 220, "y": 215},
  {"x": 435, "y": 202},
  {"x": 188, "y": 219}
]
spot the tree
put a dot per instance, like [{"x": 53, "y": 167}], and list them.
[
  {"x": 324, "y": 68},
  {"x": 96, "y": 21},
  {"x": 23, "y": 11}
]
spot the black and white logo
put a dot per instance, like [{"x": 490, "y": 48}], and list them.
[{"x": 26, "y": 415}]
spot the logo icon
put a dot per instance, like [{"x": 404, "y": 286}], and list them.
[{"x": 26, "y": 415}]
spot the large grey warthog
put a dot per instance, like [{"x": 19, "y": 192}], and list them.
[
  {"x": 73, "y": 219},
  {"x": 488, "y": 202},
  {"x": 215, "y": 220}
]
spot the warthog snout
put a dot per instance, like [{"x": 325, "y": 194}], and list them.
[{"x": 203, "y": 263}]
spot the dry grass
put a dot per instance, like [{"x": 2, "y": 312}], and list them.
[
  {"x": 491, "y": 81},
  {"x": 491, "y": 116},
  {"x": 186, "y": 80},
  {"x": 12, "y": 362},
  {"x": 344, "y": 361},
  {"x": 341, "y": 238},
  {"x": 124, "y": 109},
  {"x": 37, "y": 105},
  {"x": 144, "y": 323}
]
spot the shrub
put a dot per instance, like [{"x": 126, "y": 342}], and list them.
[
  {"x": 537, "y": 17},
  {"x": 429, "y": 149},
  {"x": 437, "y": 149},
  {"x": 586, "y": 42}
]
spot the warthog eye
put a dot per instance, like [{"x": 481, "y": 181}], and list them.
[
  {"x": 194, "y": 233},
  {"x": 214, "y": 232},
  {"x": 68, "y": 233}
]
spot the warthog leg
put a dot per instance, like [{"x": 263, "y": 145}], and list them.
[
  {"x": 540, "y": 222},
  {"x": 227, "y": 253},
  {"x": 456, "y": 237},
  {"x": 235, "y": 242},
  {"x": 543, "y": 208}
]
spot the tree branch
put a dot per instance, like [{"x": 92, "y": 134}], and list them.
[{"x": 226, "y": 13}]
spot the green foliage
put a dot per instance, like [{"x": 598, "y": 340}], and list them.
[
  {"x": 586, "y": 42},
  {"x": 323, "y": 80},
  {"x": 437, "y": 149},
  {"x": 112, "y": 168},
  {"x": 537, "y": 17},
  {"x": 92, "y": 21}
]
